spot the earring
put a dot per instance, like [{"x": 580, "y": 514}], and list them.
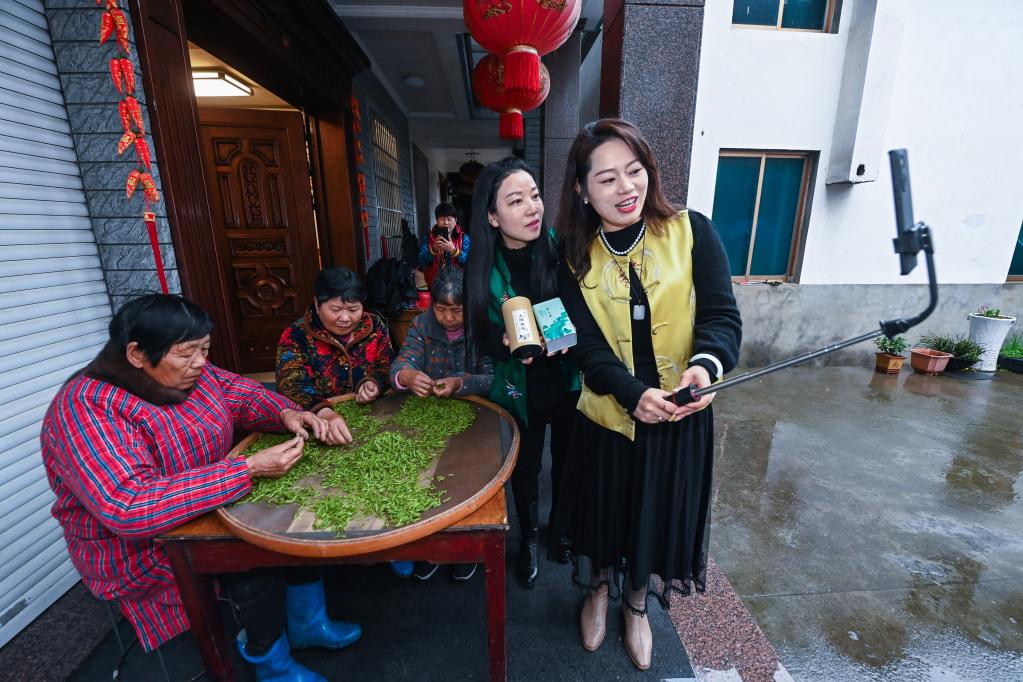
[{"x": 586, "y": 201}]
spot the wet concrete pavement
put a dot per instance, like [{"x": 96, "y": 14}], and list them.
[{"x": 873, "y": 525}]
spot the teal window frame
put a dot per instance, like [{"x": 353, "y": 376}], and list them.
[
  {"x": 808, "y": 159},
  {"x": 1016, "y": 265},
  {"x": 830, "y": 19}
]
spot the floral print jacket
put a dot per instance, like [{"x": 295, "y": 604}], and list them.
[{"x": 313, "y": 364}]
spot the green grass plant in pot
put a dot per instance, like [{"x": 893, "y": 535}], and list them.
[
  {"x": 988, "y": 328},
  {"x": 965, "y": 352},
  {"x": 890, "y": 354},
  {"x": 1010, "y": 356}
]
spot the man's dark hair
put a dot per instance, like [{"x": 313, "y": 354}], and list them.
[
  {"x": 446, "y": 287},
  {"x": 156, "y": 322},
  {"x": 445, "y": 209},
  {"x": 339, "y": 283}
]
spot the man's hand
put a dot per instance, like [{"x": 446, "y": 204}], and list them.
[
  {"x": 296, "y": 422},
  {"x": 416, "y": 381},
  {"x": 653, "y": 407},
  {"x": 445, "y": 245},
  {"x": 337, "y": 428},
  {"x": 448, "y": 386},
  {"x": 276, "y": 461},
  {"x": 694, "y": 375},
  {"x": 367, "y": 393}
]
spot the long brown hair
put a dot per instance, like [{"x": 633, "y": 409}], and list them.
[{"x": 578, "y": 222}]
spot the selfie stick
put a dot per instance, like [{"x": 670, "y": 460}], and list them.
[{"x": 912, "y": 237}]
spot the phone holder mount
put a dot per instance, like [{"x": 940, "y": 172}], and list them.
[{"x": 911, "y": 238}]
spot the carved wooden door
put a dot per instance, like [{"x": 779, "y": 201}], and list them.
[{"x": 263, "y": 223}]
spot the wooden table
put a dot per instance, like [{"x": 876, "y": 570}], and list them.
[{"x": 204, "y": 547}]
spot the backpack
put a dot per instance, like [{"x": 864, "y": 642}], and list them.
[{"x": 390, "y": 283}]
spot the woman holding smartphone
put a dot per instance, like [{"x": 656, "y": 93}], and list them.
[{"x": 648, "y": 288}]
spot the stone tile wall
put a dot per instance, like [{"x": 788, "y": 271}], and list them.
[{"x": 83, "y": 66}]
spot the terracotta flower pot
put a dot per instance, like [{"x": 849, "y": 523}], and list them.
[
  {"x": 888, "y": 364},
  {"x": 927, "y": 361}
]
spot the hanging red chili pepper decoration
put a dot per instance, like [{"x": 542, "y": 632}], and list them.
[
  {"x": 142, "y": 151},
  {"x": 122, "y": 109},
  {"x": 106, "y": 27},
  {"x": 135, "y": 111},
  {"x": 121, "y": 27},
  {"x": 128, "y": 74},
  {"x": 132, "y": 182},
  {"x": 115, "y": 74},
  {"x": 127, "y": 140},
  {"x": 122, "y": 73},
  {"x": 149, "y": 188}
]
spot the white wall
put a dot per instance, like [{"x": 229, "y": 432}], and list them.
[{"x": 957, "y": 106}]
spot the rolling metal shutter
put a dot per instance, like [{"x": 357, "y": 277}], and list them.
[{"x": 54, "y": 306}]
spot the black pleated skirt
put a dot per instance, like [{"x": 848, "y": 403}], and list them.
[{"x": 641, "y": 507}]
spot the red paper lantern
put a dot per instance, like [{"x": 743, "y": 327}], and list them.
[
  {"x": 521, "y": 31},
  {"x": 488, "y": 84}
]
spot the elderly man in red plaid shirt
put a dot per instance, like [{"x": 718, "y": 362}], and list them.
[{"x": 136, "y": 443}]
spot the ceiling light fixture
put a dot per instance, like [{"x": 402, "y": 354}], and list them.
[
  {"x": 413, "y": 81},
  {"x": 218, "y": 83}
]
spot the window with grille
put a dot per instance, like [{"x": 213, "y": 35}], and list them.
[
  {"x": 796, "y": 15},
  {"x": 388, "y": 188},
  {"x": 759, "y": 206}
]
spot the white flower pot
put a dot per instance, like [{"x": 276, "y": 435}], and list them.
[{"x": 989, "y": 333}]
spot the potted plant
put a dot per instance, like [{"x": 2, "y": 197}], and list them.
[
  {"x": 889, "y": 356},
  {"x": 988, "y": 328},
  {"x": 928, "y": 361},
  {"x": 965, "y": 353},
  {"x": 1011, "y": 355}
]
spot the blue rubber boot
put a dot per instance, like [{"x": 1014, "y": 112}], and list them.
[
  {"x": 402, "y": 569},
  {"x": 277, "y": 665},
  {"x": 308, "y": 624}
]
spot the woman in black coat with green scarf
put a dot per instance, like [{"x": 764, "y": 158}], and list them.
[{"x": 514, "y": 254}]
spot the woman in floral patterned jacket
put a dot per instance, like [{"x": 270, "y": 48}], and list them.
[{"x": 336, "y": 347}]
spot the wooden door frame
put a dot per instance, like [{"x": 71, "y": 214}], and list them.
[{"x": 300, "y": 51}]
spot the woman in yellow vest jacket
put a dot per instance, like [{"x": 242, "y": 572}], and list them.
[{"x": 648, "y": 288}]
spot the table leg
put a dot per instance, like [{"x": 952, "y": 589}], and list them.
[
  {"x": 494, "y": 571},
  {"x": 200, "y": 602}
]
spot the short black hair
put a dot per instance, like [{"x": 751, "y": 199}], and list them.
[
  {"x": 446, "y": 287},
  {"x": 339, "y": 283},
  {"x": 156, "y": 322},
  {"x": 445, "y": 209}
]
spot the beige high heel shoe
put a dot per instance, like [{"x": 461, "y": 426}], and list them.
[
  {"x": 639, "y": 642},
  {"x": 593, "y": 620}
]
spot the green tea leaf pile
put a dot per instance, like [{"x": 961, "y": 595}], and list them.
[{"x": 380, "y": 474}]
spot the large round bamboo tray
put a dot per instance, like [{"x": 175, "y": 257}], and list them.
[{"x": 475, "y": 463}]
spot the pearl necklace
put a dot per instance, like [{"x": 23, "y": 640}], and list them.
[
  {"x": 638, "y": 308},
  {"x": 627, "y": 251}
]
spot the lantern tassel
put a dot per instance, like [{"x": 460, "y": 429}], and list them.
[
  {"x": 522, "y": 71},
  {"x": 150, "y": 219},
  {"x": 510, "y": 126}
]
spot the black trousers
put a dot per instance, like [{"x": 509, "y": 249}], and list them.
[
  {"x": 259, "y": 601},
  {"x": 525, "y": 478}
]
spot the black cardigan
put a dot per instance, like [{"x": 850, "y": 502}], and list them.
[{"x": 717, "y": 329}]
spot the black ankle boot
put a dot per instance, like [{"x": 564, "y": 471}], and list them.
[{"x": 529, "y": 551}]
